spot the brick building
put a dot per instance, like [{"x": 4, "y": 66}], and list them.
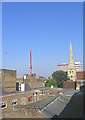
[
  {"x": 69, "y": 85},
  {"x": 8, "y": 80},
  {"x": 10, "y": 98},
  {"x": 8, "y": 102},
  {"x": 33, "y": 81},
  {"x": 80, "y": 78}
]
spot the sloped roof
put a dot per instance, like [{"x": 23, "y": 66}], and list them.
[
  {"x": 69, "y": 91},
  {"x": 27, "y": 87},
  {"x": 56, "y": 107}
]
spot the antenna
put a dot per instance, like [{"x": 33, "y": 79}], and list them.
[{"x": 30, "y": 63}]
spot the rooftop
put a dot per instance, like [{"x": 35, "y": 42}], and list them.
[{"x": 60, "y": 106}]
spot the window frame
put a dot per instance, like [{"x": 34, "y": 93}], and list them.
[
  {"x": 15, "y": 100},
  {"x": 5, "y": 106}
]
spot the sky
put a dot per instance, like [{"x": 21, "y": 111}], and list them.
[{"x": 46, "y": 29}]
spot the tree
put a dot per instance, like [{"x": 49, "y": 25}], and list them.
[
  {"x": 50, "y": 82},
  {"x": 60, "y": 77}
]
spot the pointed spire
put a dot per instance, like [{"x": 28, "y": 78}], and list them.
[
  {"x": 71, "y": 55},
  {"x": 71, "y": 66}
]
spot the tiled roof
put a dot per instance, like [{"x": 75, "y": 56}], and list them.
[
  {"x": 55, "y": 107},
  {"x": 60, "y": 106}
]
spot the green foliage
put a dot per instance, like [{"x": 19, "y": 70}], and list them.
[
  {"x": 50, "y": 82},
  {"x": 59, "y": 77}
]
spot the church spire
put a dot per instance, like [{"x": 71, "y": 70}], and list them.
[
  {"x": 71, "y": 66},
  {"x": 71, "y": 61}
]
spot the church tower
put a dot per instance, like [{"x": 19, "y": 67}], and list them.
[{"x": 71, "y": 66}]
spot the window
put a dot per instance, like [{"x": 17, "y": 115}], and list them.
[
  {"x": 29, "y": 98},
  {"x": 70, "y": 72},
  {"x": 14, "y": 102},
  {"x": 17, "y": 86},
  {"x": 71, "y": 76},
  {"x": 3, "y": 105}
]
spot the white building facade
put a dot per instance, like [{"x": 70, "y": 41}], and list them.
[{"x": 64, "y": 67}]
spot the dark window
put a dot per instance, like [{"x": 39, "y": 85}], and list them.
[
  {"x": 3, "y": 105},
  {"x": 29, "y": 98},
  {"x": 17, "y": 86},
  {"x": 71, "y": 76},
  {"x": 14, "y": 102}
]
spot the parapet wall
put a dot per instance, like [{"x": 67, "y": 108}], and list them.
[{"x": 8, "y": 78}]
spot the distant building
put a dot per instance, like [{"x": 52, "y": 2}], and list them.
[
  {"x": 75, "y": 72},
  {"x": 78, "y": 66},
  {"x": 80, "y": 77},
  {"x": 19, "y": 80},
  {"x": 64, "y": 66},
  {"x": 10, "y": 83},
  {"x": 32, "y": 80}
]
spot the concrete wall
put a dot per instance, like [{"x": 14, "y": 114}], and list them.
[{"x": 8, "y": 78}]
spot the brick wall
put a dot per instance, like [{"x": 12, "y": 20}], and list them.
[
  {"x": 8, "y": 78},
  {"x": 69, "y": 84},
  {"x": 34, "y": 82}
]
